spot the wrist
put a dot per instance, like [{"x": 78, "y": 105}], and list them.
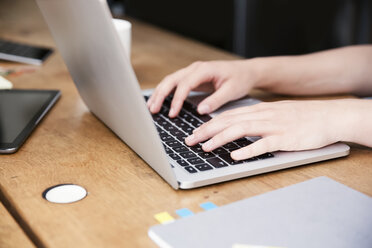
[
  {"x": 271, "y": 71},
  {"x": 351, "y": 121}
]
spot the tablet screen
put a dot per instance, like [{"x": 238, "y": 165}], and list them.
[{"x": 20, "y": 110}]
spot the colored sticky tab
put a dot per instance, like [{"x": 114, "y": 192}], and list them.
[
  {"x": 208, "y": 205},
  {"x": 253, "y": 246},
  {"x": 163, "y": 217},
  {"x": 184, "y": 212}
]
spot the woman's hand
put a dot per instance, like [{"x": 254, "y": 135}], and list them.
[
  {"x": 230, "y": 80},
  {"x": 285, "y": 126}
]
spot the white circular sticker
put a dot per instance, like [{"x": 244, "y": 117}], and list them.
[{"x": 65, "y": 193}]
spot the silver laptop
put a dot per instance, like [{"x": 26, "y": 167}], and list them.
[{"x": 91, "y": 48}]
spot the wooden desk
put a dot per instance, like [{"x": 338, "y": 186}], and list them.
[
  {"x": 11, "y": 234},
  {"x": 72, "y": 146}
]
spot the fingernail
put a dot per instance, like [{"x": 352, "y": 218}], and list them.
[
  {"x": 190, "y": 138},
  {"x": 152, "y": 108},
  {"x": 237, "y": 155},
  {"x": 203, "y": 109},
  {"x": 171, "y": 112},
  {"x": 208, "y": 145}
]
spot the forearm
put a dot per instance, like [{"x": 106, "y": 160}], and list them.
[{"x": 337, "y": 71}]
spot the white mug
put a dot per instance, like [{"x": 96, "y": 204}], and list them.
[{"x": 124, "y": 29}]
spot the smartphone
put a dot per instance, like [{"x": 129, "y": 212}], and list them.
[{"x": 23, "y": 53}]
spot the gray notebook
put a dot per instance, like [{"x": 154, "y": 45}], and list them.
[{"x": 316, "y": 213}]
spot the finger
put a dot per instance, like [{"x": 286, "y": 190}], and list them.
[
  {"x": 161, "y": 92},
  {"x": 246, "y": 128},
  {"x": 198, "y": 76},
  {"x": 261, "y": 146},
  {"x": 164, "y": 88},
  {"x": 227, "y": 135},
  {"x": 229, "y": 118},
  {"x": 211, "y": 128},
  {"x": 217, "y": 99},
  {"x": 243, "y": 129},
  {"x": 179, "y": 97}
]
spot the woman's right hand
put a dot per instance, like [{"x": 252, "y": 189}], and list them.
[{"x": 228, "y": 80}]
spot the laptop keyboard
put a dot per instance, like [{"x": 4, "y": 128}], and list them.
[{"x": 193, "y": 159}]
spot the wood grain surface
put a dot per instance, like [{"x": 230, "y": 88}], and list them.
[
  {"x": 72, "y": 146},
  {"x": 11, "y": 234}
]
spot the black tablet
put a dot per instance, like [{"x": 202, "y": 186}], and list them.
[{"x": 20, "y": 112}]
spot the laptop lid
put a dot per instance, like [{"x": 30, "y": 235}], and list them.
[{"x": 89, "y": 44}]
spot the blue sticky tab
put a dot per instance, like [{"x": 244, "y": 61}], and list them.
[
  {"x": 184, "y": 212},
  {"x": 208, "y": 205}
]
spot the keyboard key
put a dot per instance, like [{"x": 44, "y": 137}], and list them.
[
  {"x": 203, "y": 167},
  {"x": 166, "y": 138},
  {"x": 180, "y": 149},
  {"x": 182, "y": 124},
  {"x": 188, "y": 154},
  {"x": 230, "y": 145},
  {"x": 216, "y": 162},
  {"x": 250, "y": 159},
  {"x": 184, "y": 115},
  {"x": 190, "y": 119},
  {"x": 196, "y": 148},
  {"x": 173, "y": 143},
  {"x": 243, "y": 143},
  {"x": 196, "y": 123},
  {"x": 188, "y": 130},
  {"x": 177, "y": 133},
  {"x": 189, "y": 107},
  {"x": 164, "y": 124},
  {"x": 174, "y": 156},
  {"x": 170, "y": 128},
  {"x": 220, "y": 150},
  {"x": 182, "y": 162},
  {"x": 204, "y": 118},
  {"x": 190, "y": 169},
  {"x": 161, "y": 132},
  {"x": 233, "y": 149},
  {"x": 182, "y": 138},
  {"x": 176, "y": 121},
  {"x": 164, "y": 111},
  {"x": 206, "y": 155},
  {"x": 157, "y": 118},
  {"x": 195, "y": 160},
  {"x": 226, "y": 157},
  {"x": 168, "y": 150},
  {"x": 265, "y": 156}
]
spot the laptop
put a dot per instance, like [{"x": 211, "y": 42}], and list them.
[{"x": 90, "y": 46}]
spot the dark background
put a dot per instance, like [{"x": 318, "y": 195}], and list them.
[{"x": 253, "y": 28}]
